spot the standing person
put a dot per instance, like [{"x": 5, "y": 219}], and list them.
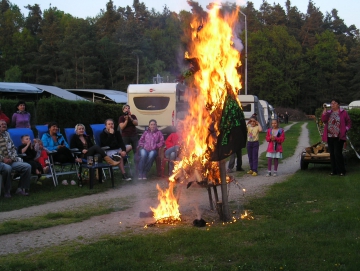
[
  {"x": 4, "y": 117},
  {"x": 127, "y": 124},
  {"x": 21, "y": 118},
  {"x": 83, "y": 143},
  {"x": 111, "y": 138},
  {"x": 231, "y": 164},
  {"x": 172, "y": 144},
  {"x": 9, "y": 162},
  {"x": 28, "y": 148},
  {"x": 253, "y": 129},
  {"x": 337, "y": 123},
  {"x": 149, "y": 144},
  {"x": 286, "y": 117},
  {"x": 275, "y": 136}
]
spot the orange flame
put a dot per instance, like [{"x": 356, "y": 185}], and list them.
[{"x": 213, "y": 47}]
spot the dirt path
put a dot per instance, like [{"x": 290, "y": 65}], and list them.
[{"x": 138, "y": 195}]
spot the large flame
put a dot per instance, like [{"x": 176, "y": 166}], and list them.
[{"x": 213, "y": 50}]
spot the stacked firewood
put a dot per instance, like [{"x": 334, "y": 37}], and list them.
[{"x": 318, "y": 149}]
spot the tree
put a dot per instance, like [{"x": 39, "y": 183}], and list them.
[{"x": 13, "y": 74}]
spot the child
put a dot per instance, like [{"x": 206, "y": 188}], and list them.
[
  {"x": 27, "y": 148},
  {"x": 41, "y": 155},
  {"x": 275, "y": 136},
  {"x": 253, "y": 129}
]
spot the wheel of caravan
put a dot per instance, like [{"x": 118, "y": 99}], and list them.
[{"x": 303, "y": 164}]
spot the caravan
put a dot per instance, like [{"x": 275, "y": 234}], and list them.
[
  {"x": 251, "y": 105},
  {"x": 267, "y": 112},
  {"x": 156, "y": 101}
]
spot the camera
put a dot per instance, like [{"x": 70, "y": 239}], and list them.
[
  {"x": 126, "y": 113},
  {"x": 324, "y": 105}
]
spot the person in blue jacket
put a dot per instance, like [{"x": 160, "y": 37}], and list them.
[{"x": 55, "y": 141}]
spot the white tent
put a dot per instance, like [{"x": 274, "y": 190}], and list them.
[{"x": 103, "y": 94}]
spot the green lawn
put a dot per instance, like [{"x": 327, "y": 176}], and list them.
[{"x": 309, "y": 222}]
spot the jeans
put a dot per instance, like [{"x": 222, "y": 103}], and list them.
[
  {"x": 146, "y": 160},
  {"x": 171, "y": 154},
  {"x": 20, "y": 167},
  {"x": 131, "y": 140},
  {"x": 253, "y": 154}
]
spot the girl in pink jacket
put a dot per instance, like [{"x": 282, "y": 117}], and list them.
[{"x": 275, "y": 136}]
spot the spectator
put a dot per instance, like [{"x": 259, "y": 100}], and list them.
[
  {"x": 337, "y": 123},
  {"x": 42, "y": 155},
  {"x": 21, "y": 118},
  {"x": 27, "y": 148},
  {"x": 54, "y": 141},
  {"x": 231, "y": 164},
  {"x": 4, "y": 117},
  {"x": 149, "y": 144},
  {"x": 83, "y": 143},
  {"x": 286, "y": 117},
  {"x": 127, "y": 124},
  {"x": 10, "y": 162},
  {"x": 253, "y": 129},
  {"x": 111, "y": 138},
  {"x": 172, "y": 144}
]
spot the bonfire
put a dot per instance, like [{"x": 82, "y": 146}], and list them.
[{"x": 215, "y": 126}]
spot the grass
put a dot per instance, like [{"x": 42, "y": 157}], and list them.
[
  {"x": 64, "y": 217},
  {"x": 309, "y": 222}
]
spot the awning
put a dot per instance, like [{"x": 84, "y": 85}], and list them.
[
  {"x": 105, "y": 94},
  {"x": 19, "y": 87},
  {"x": 62, "y": 93}
]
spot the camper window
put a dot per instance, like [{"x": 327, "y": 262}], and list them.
[
  {"x": 151, "y": 103},
  {"x": 246, "y": 107}
]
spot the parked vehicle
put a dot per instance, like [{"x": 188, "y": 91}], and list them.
[
  {"x": 250, "y": 105},
  {"x": 156, "y": 101},
  {"x": 267, "y": 112}
]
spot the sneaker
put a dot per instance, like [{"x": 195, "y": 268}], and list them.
[
  {"x": 18, "y": 190},
  {"x": 126, "y": 178},
  {"x": 73, "y": 182},
  {"x": 275, "y": 174},
  {"x": 22, "y": 193},
  {"x": 229, "y": 170},
  {"x": 144, "y": 177},
  {"x": 42, "y": 178},
  {"x": 140, "y": 176},
  {"x": 268, "y": 174},
  {"x": 38, "y": 182},
  {"x": 250, "y": 172},
  {"x": 7, "y": 195},
  {"x": 116, "y": 157},
  {"x": 254, "y": 174},
  {"x": 64, "y": 182}
]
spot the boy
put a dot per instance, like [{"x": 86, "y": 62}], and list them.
[{"x": 27, "y": 148}]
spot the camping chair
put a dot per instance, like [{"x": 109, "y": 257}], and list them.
[
  {"x": 15, "y": 134},
  {"x": 69, "y": 133},
  {"x": 42, "y": 129},
  {"x": 97, "y": 130}
]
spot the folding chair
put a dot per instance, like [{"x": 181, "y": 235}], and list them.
[
  {"x": 41, "y": 129},
  {"x": 15, "y": 134},
  {"x": 97, "y": 130},
  {"x": 69, "y": 133}
]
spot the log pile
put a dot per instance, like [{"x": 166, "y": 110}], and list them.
[{"x": 318, "y": 150}]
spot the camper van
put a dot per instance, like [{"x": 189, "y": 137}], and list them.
[
  {"x": 156, "y": 101},
  {"x": 250, "y": 105},
  {"x": 267, "y": 112}
]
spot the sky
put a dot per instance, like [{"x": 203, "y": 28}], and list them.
[{"x": 347, "y": 9}]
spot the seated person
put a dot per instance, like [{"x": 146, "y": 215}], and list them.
[
  {"x": 9, "y": 162},
  {"x": 41, "y": 155},
  {"x": 83, "y": 143},
  {"x": 112, "y": 139},
  {"x": 54, "y": 141},
  {"x": 149, "y": 144},
  {"x": 27, "y": 148},
  {"x": 172, "y": 145}
]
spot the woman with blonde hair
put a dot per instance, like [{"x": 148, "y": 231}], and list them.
[{"x": 83, "y": 143}]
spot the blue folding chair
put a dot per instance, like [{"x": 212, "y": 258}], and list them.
[
  {"x": 97, "y": 130},
  {"x": 15, "y": 134},
  {"x": 41, "y": 129}
]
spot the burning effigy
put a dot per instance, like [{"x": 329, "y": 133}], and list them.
[{"x": 214, "y": 127}]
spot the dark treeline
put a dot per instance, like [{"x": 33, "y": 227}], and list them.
[{"x": 294, "y": 60}]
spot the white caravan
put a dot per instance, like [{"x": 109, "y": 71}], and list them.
[{"x": 250, "y": 105}]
